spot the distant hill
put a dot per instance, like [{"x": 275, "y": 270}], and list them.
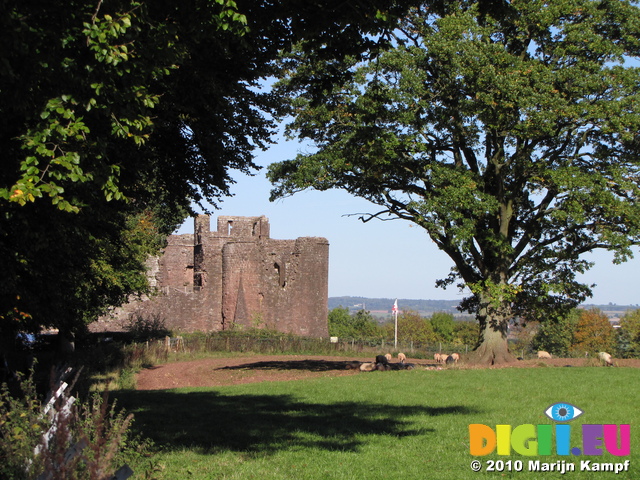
[
  {"x": 381, "y": 307},
  {"x": 611, "y": 309}
]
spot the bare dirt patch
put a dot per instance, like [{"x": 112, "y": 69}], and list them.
[{"x": 211, "y": 372}]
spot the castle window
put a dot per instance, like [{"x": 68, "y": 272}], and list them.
[
  {"x": 280, "y": 272},
  {"x": 229, "y": 227}
]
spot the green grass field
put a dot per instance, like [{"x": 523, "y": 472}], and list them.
[{"x": 405, "y": 425}]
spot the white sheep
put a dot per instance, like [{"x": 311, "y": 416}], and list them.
[
  {"x": 402, "y": 357},
  {"x": 606, "y": 358},
  {"x": 543, "y": 354},
  {"x": 440, "y": 357},
  {"x": 367, "y": 367},
  {"x": 388, "y": 355},
  {"x": 456, "y": 357}
]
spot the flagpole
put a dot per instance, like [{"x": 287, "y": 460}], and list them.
[
  {"x": 395, "y": 336},
  {"x": 395, "y": 325}
]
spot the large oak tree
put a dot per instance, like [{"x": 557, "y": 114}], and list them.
[{"x": 508, "y": 131}]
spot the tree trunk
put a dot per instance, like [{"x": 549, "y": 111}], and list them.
[{"x": 492, "y": 346}]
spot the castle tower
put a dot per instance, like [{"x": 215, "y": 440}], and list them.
[{"x": 238, "y": 277}]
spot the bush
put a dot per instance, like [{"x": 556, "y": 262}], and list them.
[
  {"x": 21, "y": 425},
  {"x": 142, "y": 328},
  {"x": 88, "y": 441}
]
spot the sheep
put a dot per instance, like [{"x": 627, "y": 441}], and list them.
[
  {"x": 367, "y": 367},
  {"x": 402, "y": 357},
  {"x": 606, "y": 358},
  {"x": 456, "y": 357},
  {"x": 440, "y": 357},
  {"x": 543, "y": 354},
  {"x": 382, "y": 359},
  {"x": 450, "y": 360},
  {"x": 388, "y": 355}
]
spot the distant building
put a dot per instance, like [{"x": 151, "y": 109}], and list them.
[{"x": 236, "y": 277}]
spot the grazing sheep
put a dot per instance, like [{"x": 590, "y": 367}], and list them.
[
  {"x": 543, "y": 354},
  {"x": 456, "y": 357},
  {"x": 440, "y": 357},
  {"x": 606, "y": 358},
  {"x": 436, "y": 357},
  {"x": 450, "y": 360},
  {"x": 367, "y": 367},
  {"x": 382, "y": 359},
  {"x": 402, "y": 357},
  {"x": 389, "y": 357}
]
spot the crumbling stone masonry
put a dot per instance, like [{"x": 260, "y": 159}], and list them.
[{"x": 238, "y": 277}]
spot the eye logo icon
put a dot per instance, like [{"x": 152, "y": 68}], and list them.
[{"x": 563, "y": 412}]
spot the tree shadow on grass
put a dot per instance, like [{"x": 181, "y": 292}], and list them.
[
  {"x": 265, "y": 424},
  {"x": 307, "y": 364}
]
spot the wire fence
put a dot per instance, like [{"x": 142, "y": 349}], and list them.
[{"x": 275, "y": 344}]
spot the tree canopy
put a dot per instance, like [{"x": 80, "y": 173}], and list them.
[
  {"x": 593, "y": 333},
  {"x": 116, "y": 117},
  {"x": 629, "y": 334},
  {"x": 509, "y": 133}
]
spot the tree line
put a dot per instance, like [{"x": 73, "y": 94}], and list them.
[
  {"x": 412, "y": 328},
  {"x": 580, "y": 333}
]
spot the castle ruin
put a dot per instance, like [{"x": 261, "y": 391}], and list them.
[{"x": 238, "y": 277}]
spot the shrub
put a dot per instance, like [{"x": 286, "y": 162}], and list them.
[
  {"x": 21, "y": 425},
  {"x": 142, "y": 328},
  {"x": 87, "y": 441}
]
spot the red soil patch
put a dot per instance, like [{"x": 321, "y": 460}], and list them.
[{"x": 210, "y": 372}]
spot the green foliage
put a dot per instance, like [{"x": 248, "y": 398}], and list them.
[
  {"x": 556, "y": 335},
  {"x": 113, "y": 111},
  {"x": 21, "y": 425},
  {"x": 100, "y": 427},
  {"x": 142, "y": 328},
  {"x": 345, "y": 326},
  {"x": 443, "y": 326},
  {"x": 629, "y": 334},
  {"x": 509, "y": 134},
  {"x": 466, "y": 332},
  {"x": 63, "y": 272},
  {"x": 339, "y": 321},
  {"x": 412, "y": 328}
]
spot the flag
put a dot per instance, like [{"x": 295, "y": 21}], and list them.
[{"x": 394, "y": 310}]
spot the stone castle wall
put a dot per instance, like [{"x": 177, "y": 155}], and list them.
[{"x": 238, "y": 277}]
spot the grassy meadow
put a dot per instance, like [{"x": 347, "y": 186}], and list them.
[{"x": 399, "y": 425}]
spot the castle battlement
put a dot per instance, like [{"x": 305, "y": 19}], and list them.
[{"x": 238, "y": 277}]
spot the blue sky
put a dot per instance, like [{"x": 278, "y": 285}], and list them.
[{"x": 381, "y": 259}]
